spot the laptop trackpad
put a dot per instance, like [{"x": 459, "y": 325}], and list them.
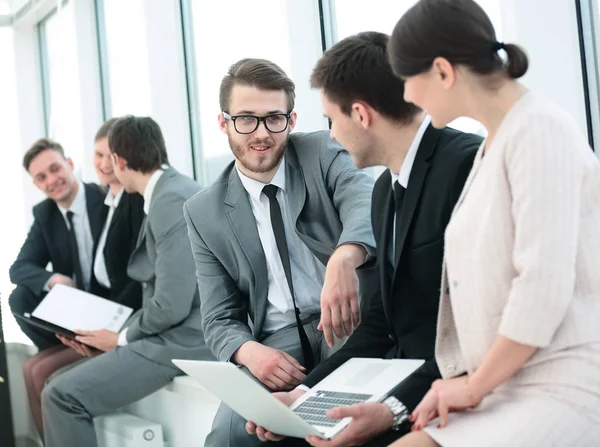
[{"x": 367, "y": 374}]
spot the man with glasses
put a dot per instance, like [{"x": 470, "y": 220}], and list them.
[{"x": 277, "y": 240}]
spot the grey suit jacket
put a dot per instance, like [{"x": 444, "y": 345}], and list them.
[
  {"x": 330, "y": 203},
  {"x": 169, "y": 324}
]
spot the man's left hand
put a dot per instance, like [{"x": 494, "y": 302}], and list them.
[
  {"x": 340, "y": 311},
  {"x": 369, "y": 420},
  {"x": 101, "y": 339}
]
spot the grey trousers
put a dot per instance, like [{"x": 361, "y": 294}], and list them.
[
  {"x": 228, "y": 428},
  {"x": 96, "y": 387}
]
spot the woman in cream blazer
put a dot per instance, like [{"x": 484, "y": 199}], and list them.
[{"x": 518, "y": 341}]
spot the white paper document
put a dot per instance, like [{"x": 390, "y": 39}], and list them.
[{"x": 75, "y": 309}]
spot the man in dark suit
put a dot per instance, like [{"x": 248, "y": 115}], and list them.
[
  {"x": 65, "y": 229},
  {"x": 412, "y": 203}
]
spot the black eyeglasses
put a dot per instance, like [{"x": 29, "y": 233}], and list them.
[{"x": 246, "y": 124}]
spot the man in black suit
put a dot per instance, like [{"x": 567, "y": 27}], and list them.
[
  {"x": 65, "y": 229},
  {"x": 411, "y": 206}
]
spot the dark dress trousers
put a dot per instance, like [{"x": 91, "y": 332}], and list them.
[
  {"x": 47, "y": 242},
  {"x": 402, "y": 323}
]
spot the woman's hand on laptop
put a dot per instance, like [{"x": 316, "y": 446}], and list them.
[
  {"x": 276, "y": 369},
  {"x": 263, "y": 434},
  {"x": 369, "y": 420}
]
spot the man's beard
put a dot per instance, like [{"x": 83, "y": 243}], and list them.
[{"x": 240, "y": 151}]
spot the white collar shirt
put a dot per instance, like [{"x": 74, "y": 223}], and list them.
[
  {"x": 308, "y": 273},
  {"x": 100, "y": 271},
  {"x": 83, "y": 233}
]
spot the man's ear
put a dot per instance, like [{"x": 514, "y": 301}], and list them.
[
  {"x": 444, "y": 72},
  {"x": 362, "y": 113},
  {"x": 119, "y": 162},
  {"x": 293, "y": 119},
  {"x": 222, "y": 123},
  {"x": 70, "y": 163}
]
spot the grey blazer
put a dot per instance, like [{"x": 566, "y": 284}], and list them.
[
  {"x": 330, "y": 202},
  {"x": 169, "y": 324}
]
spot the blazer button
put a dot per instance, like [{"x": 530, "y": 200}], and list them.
[
  {"x": 144, "y": 285},
  {"x": 391, "y": 337},
  {"x": 447, "y": 290},
  {"x": 451, "y": 369}
]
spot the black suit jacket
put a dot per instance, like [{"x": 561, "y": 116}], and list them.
[
  {"x": 402, "y": 323},
  {"x": 47, "y": 241},
  {"x": 121, "y": 240}
]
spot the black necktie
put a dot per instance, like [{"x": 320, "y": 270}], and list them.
[
  {"x": 399, "y": 191},
  {"x": 75, "y": 253},
  {"x": 278, "y": 229}
]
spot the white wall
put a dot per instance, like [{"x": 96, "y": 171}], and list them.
[{"x": 547, "y": 29}]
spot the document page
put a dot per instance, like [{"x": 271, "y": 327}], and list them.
[{"x": 75, "y": 309}]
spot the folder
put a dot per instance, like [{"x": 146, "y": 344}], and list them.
[{"x": 66, "y": 309}]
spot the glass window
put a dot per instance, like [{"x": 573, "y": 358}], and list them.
[
  {"x": 61, "y": 76},
  {"x": 265, "y": 29},
  {"x": 4, "y": 7},
  {"x": 589, "y": 21},
  {"x": 11, "y": 179},
  {"x": 354, "y": 16},
  {"x": 125, "y": 57}
]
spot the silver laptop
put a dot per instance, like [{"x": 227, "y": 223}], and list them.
[{"x": 358, "y": 380}]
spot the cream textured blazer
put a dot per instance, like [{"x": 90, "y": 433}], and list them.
[{"x": 522, "y": 259}]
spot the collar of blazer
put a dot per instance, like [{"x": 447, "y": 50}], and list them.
[
  {"x": 169, "y": 173},
  {"x": 416, "y": 179},
  {"x": 382, "y": 204},
  {"x": 97, "y": 211}
]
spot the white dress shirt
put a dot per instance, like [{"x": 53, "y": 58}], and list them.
[
  {"x": 122, "y": 341},
  {"x": 100, "y": 272},
  {"x": 83, "y": 233},
  {"x": 308, "y": 273}
]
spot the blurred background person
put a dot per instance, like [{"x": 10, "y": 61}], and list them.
[{"x": 115, "y": 244}]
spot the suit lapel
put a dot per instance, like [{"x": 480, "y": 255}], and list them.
[
  {"x": 294, "y": 182},
  {"x": 295, "y": 185},
  {"x": 96, "y": 209},
  {"x": 142, "y": 233},
  {"x": 416, "y": 180},
  {"x": 170, "y": 172},
  {"x": 383, "y": 207},
  {"x": 59, "y": 227},
  {"x": 119, "y": 210},
  {"x": 243, "y": 224}
]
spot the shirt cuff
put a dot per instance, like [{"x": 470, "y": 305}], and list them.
[
  {"x": 303, "y": 388},
  {"x": 122, "y": 341},
  {"x": 46, "y": 287}
]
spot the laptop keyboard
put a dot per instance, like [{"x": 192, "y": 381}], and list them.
[{"x": 313, "y": 409}]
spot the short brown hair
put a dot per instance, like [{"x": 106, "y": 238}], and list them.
[
  {"x": 357, "y": 69},
  {"x": 259, "y": 73},
  {"x": 103, "y": 131},
  {"x": 139, "y": 141},
  {"x": 41, "y": 145}
]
